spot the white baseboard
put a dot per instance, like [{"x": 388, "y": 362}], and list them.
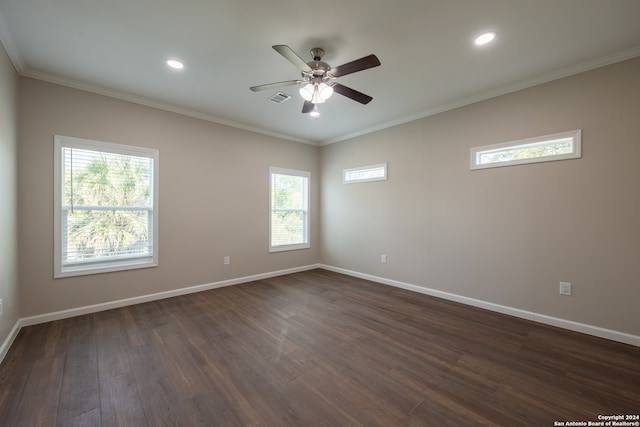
[
  {"x": 541, "y": 318},
  {"x": 523, "y": 314},
  {"x": 4, "y": 349},
  {"x": 64, "y": 314}
]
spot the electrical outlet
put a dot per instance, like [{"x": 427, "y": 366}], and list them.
[
  {"x": 383, "y": 258},
  {"x": 565, "y": 288},
  {"x": 227, "y": 260}
]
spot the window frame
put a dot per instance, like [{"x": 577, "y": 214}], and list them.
[
  {"x": 382, "y": 166},
  {"x": 109, "y": 265},
  {"x": 292, "y": 172},
  {"x": 576, "y": 153}
]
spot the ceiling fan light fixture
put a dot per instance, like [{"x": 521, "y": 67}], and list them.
[
  {"x": 317, "y": 99},
  {"x": 307, "y": 92},
  {"x": 325, "y": 91},
  {"x": 316, "y": 93},
  {"x": 315, "y": 113}
]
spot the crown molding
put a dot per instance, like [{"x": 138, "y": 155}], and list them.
[
  {"x": 125, "y": 96},
  {"x": 503, "y": 90}
]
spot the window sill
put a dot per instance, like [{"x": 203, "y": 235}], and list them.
[{"x": 84, "y": 270}]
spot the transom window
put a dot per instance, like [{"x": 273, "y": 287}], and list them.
[
  {"x": 105, "y": 207},
  {"x": 559, "y": 146},
  {"x": 289, "y": 219},
  {"x": 365, "y": 173}
]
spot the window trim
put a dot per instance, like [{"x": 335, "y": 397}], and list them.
[
  {"x": 382, "y": 166},
  {"x": 575, "y": 135},
  {"x": 296, "y": 246},
  {"x": 60, "y": 142}
]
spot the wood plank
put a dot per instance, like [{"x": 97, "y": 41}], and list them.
[
  {"x": 38, "y": 402},
  {"x": 91, "y": 418},
  {"x": 80, "y": 392},
  {"x": 120, "y": 403}
]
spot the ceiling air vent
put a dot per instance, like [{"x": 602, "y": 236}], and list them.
[{"x": 280, "y": 97}]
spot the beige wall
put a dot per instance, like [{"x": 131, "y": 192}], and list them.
[
  {"x": 214, "y": 183},
  {"x": 508, "y": 235},
  {"x": 8, "y": 212}
]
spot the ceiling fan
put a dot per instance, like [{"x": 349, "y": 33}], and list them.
[{"x": 317, "y": 78}]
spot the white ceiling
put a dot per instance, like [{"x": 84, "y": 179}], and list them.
[{"x": 429, "y": 62}]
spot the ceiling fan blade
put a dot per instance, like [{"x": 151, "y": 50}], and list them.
[
  {"x": 307, "y": 107},
  {"x": 353, "y": 66},
  {"x": 275, "y": 85},
  {"x": 291, "y": 56},
  {"x": 351, "y": 93}
]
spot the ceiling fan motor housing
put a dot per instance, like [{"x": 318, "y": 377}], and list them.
[{"x": 318, "y": 68}]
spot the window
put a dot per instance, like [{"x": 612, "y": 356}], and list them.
[
  {"x": 559, "y": 146},
  {"x": 289, "y": 221},
  {"x": 106, "y": 199},
  {"x": 365, "y": 173}
]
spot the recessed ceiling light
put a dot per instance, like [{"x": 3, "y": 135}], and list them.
[
  {"x": 485, "y": 38},
  {"x": 177, "y": 65}
]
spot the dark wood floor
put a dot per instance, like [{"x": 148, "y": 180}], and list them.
[{"x": 311, "y": 349}]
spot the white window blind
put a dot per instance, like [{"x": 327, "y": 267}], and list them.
[
  {"x": 289, "y": 218},
  {"x": 106, "y": 203}
]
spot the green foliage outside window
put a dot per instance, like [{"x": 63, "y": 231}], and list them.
[
  {"x": 289, "y": 210},
  {"x": 108, "y": 201},
  {"x": 563, "y": 146}
]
